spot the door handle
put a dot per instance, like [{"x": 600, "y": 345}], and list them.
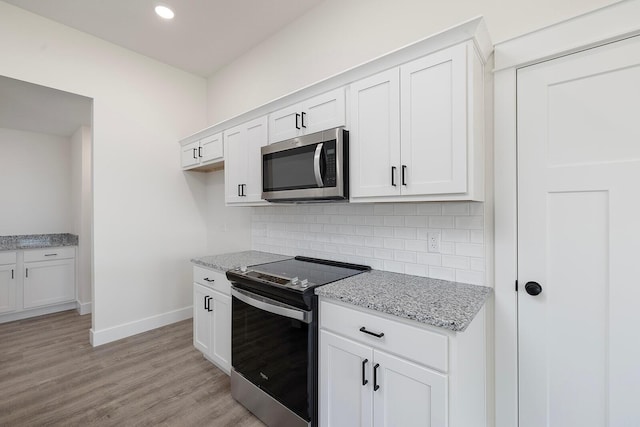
[
  {"x": 206, "y": 300},
  {"x": 199, "y": 151},
  {"x": 533, "y": 288},
  {"x": 302, "y": 119},
  {"x": 393, "y": 176},
  {"x": 194, "y": 153},
  {"x": 297, "y": 117},
  {"x": 364, "y": 363},
  {"x": 26, "y": 272},
  {"x": 12, "y": 273},
  {"x": 375, "y": 377},
  {"x": 404, "y": 168},
  {"x": 316, "y": 165},
  {"x": 239, "y": 191}
]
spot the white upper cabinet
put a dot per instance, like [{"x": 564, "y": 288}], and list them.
[
  {"x": 321, "y": 112},
  {"x": 243, "y": 162},
  {"x": 416, "y": 131},
  {"x": 205, "y": 153}
]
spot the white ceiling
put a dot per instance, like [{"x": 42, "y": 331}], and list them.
[
  {"x": 203, "y": 36},
  {"x": 30, "y": 107}
]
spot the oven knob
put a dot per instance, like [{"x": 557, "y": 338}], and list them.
[
  {"x": 304, "y": 283},
  {"x": 294, "y": 280}
]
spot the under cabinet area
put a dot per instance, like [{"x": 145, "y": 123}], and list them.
[
  {"x": 212, "y": 316},
  {"x": 243, "y": 162},
  {"x": 379, "y": 371},
  {"x": 319, "y": 113},
  {"x": 416, "y": 131}
]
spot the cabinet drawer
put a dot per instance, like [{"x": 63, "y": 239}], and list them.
[
  {"x": 7, "y": 258},
  {"x": 49, "y": 254},
  {"x": 212, "y": 279},
  {"x": 420, "y": 345}
]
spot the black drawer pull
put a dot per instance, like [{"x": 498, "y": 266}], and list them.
[
  {"x": 206, "y": 279},
  {"x": 380, "y": 335},
  {"x": 375, "y": 377},
  {"x": 364, "y": 363},
  {"x": 50, "y": 254}
]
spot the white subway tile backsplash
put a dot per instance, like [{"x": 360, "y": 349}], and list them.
[{"x": 385, "y": 236}]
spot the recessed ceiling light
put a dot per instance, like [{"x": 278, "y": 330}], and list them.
[{"x": 164, "y": 12}]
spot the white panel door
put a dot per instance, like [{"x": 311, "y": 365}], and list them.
[
  {"x": 345, "y": 382},
  {"x": 7, "y": 288},
  {"x": 407, "y": 394},
  {"x": 374, "y": 135},
  {"x": 211, "y": 148},
  {"x": 202, "y": 318},
  {"x": 49, "y": 282},
  {"x": 434, "y": 123},
  {"x": 256, "y": 139},
  {"x": 285, "y": 123},
  {"x": 189, "y": 155},
  {"x": 235, "y": 168},
  {"x": 324, "y": 111},
  {"x": 221, "y": 338},
  {"x": 579, "y": 239}
]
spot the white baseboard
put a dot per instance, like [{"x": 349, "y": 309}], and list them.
[
  {"x": 32, "y": 312},
  {"x": 83, "y": 307},
  {"x": 115, "y": 333}
]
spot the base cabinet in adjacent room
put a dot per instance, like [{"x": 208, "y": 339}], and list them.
[
  {"x": 398, "y": 372},
  {"x": 212, "y": 316},
  {"x": 8, "y": 282}
]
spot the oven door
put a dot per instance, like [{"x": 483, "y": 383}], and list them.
[
  {"x": 271, "y": 347},
  {"x": 305, "y": 168}
]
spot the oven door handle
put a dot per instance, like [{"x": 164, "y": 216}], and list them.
[
  {"x": 316, "y": 165},
  {"x": 271, "y": 306}
]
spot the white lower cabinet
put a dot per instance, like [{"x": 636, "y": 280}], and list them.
[
  {"x": 212, "y": 317},
  {"x": 7, "y": 283},
  {"x": 378, "y": 371},
  {"x": 49, "y": 282}
]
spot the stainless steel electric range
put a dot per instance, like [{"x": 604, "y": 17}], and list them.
[{"x": 274, "y": 338}]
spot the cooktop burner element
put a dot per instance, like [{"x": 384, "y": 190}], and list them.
[{"x": 292, "y": 278}]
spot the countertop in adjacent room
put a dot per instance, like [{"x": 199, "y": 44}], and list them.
[{"x": 36, "y": 241}]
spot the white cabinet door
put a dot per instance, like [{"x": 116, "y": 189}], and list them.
[
  {"x": 345, "y": 382},
  {"x": 49, "y": 282},
  {"x": 324, "y": 111},
  {"x": 243, "y": 162},
  {"x": 374, "y": 135},
  {"x": 202, "y": 318},
  {"x": 220, "y": 351},
  {"x": 407, "y": 394},
  {"x": 7, "y": 288},
  {"x": 189, "y": 154},
  {"x": 211, "y": 148},
  {"x": 433, "y": 123},
  {"x": 321, "y": 112}
]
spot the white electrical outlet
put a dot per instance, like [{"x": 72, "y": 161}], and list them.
[{"x": 433, "y": 241}]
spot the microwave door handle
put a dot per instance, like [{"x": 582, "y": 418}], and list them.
[{"x": 316, "y": 165}]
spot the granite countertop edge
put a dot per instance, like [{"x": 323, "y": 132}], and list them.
[
  {"x": 37, "y": 241},
  {"x": 441, "y": 303},
  {"x": 229, "y": 261}
]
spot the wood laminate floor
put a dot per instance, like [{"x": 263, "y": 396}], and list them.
[{"x": 50, "y": 375}]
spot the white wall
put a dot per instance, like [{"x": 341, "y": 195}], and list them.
[
  {"x": 149, "y": 217},
  {"x": 82, "y": 202},
  {"x": 35, "y": 183},
  {"x": 228, "y": 228},
  {"x": 339, "y": 34}
]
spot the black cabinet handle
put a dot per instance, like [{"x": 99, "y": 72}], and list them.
[
  {"x": 199, "y": 151},
  {"x": 297, "y": 117},
  {"x": 206, "y": 300},
  {"x": 209, "y": 280},
  {"x": 393, "y": 176},
  {"x": 375, "y": 377},
  {"x": 533, "y": 288},
  {"x": 404, "y": 168},
  {"x": 239, "y": 191},
  {"x": 303, "y": 114},
  {"x": 380, "y": 335},
  {"x": 243, "y": 187},
  {"x": 364, "y": 363},
  {"x": 50, "y": 254},
  {"x": 194, "y": 153},
  {"x": 12, "y": 273},
  {"x": 26, "y": 272}
]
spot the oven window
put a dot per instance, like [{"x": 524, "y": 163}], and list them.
[{"x": 272, "y": 352}]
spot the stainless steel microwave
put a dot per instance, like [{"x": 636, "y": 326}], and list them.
[{"x": 309, "y": 168}]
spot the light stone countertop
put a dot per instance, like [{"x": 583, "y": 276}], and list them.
[
  {"x": 37, "y": 241},
  {"x": 224, "y": 262},
  {"x": 449, "y": 305}
]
